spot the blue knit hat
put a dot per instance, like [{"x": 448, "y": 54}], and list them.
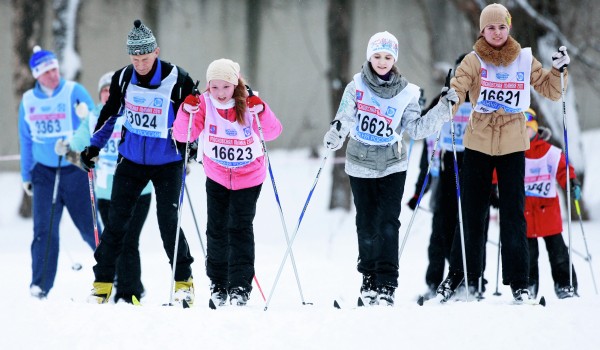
[
  {"x": 42, "y": 61},
  {"x": 140, "y": 40}
]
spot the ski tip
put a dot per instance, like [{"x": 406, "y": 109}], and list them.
[
  {"x": 185, "y": 304},
  {"x": 135, "y": 301},
  {"x": 360, "y": 302},
  {"x": 543, "y": 301},
  {"x": 336, "y": 305},
  {"x": 211, "y": 304},
  {"x": 420, "y": 300}
]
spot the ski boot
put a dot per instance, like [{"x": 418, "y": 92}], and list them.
[
  {"x": 385, "y": 295},
  {"x": 238, "y": 296},
  {"x": 184, "y": 292},
  {"x": 218, "y": 295},
  {"x": 368, "y": 292},
  {"x": 563, "y": 292},
  {"x": 100, "y": 293},
  {"x": 448, "y": 286}
]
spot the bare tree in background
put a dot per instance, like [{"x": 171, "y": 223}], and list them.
[
  {"x": 339, "y": 26},
  {"x": 27, "y": 32}
]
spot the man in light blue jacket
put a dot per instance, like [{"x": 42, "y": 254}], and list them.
[{"x": 46, "y": 114}]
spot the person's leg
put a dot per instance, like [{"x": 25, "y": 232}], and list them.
[
  {"x": 534, "y": 274},
  {"x": 76, "y": 195},
  {"x": 129, "y": 271},
  {"x": 366, "y": 216},
  {"x": 217, "y": 235},
  {"x": 45, "y": 245},
  {"x": 558, "y": 254},
  {"x": 515, "y": 252},
  {"x": 167, "y": 180},
  {"x": 128, "y": 182},
  {"x": 389, "y": 198},
  {"x": 241, "y": 237}
]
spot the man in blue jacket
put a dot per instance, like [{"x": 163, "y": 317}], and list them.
[
  {"x": 147, "y": 94},
  {"x": 46, "y": 114}
]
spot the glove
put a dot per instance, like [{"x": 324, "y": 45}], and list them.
[
  {"x": 28, "y": 188},
  {"x": 576, "y": 189},
  {"x": 412, "y": 203},
  {"x": 88, "y": 157},
  {"x": 192, "y": 150},
  {"x": 191, "y": 104},
  {"x": 82, "y": 110},
  {"x": 560, "y": 59},
  {"x": 494, "y": 199},
  {"x": 449, "y": 95},
  {"x": 333, "y": 140},
  {"x": 61, "y": 147},
  {"x": 255, "y": 104}
]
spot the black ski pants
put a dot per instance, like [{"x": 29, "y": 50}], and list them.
[
  {"x": 558, "y": 254},
  {"x": 230, "y": 235},
  {"x": 129, "y": 270},
  {"x": 475, "y": 185},
  {"x": 129, "y": 181},
  {"x": 378, "y": 202}
]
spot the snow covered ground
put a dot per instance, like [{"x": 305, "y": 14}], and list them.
[{"x": 325, "y": 251}]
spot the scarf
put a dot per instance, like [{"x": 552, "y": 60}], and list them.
[{"x": 383, "y": 88}]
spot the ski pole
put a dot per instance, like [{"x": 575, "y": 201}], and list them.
[
  {"x": 497, "y": 293},
  {"x": 52, "y": 208},
  {"x": 93, "y": 200},
  {"x": 460, "y": 219},
  {"x": 195, "y": 221},
  {"x": 588, "y": 258},
  {"x": 289, "y": 247},
  {"x": 566, "y": 146},
  {"x": 181, "y": 192},
  {"x": 287, "y": 239}
]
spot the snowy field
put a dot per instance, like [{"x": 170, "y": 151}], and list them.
[{"x": 325, "y": 251}]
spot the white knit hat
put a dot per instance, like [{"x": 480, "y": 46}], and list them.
[
  {"x": 383, "y": 42},
  {"x": 105, "y": 80},
  {"x": 223, "y": 69}
]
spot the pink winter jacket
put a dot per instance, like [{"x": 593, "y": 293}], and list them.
[{"x": 246, "y": 176}]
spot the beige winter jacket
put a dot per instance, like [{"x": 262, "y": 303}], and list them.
[{"x": 499, "y": 133}]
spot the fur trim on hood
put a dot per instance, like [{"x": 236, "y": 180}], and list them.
[{"x": 498, "y": 57}]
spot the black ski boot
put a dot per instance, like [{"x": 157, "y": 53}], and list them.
[
  {"x": 564, "y": 292},
  {"x": 368, "y": 292},
  {"x": 520, "y": 291},
  {"x": 448, "y": 286},
  {"x": 218, "y": 295},
  {"x": 239, "y": 296},
  {"x": 385, "y": 295}
]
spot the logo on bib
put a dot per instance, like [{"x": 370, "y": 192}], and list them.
[
  {"x": 520, "y": 76},
  {"x": 502, "y": 76},
  {"x": 535, "y": 170},
  {"x": 483, "y": 73},
  {"x": 390, "y": 112},
  {"x": 158, "y": 102},
  {"x": 230, "y": 132},
  {"x": 212, "y": 129},
  {"x": 359, "y": 95},
  {"x": 247, "y": 132},
  {"x": 138, "y": 99}
]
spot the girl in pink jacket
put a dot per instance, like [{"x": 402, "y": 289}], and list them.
[{"x": 224, "y": 122}]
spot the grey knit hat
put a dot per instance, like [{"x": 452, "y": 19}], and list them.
[{"x": 140, "y": 40}]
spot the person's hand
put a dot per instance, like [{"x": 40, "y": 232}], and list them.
[
  {"x": 82, "y": 110},
  {"x": 255, "y": 104},
  {"x": 61, "y": 147},
  {"x": 412, "y": 203},
  {"x": 449, "y": 95},
  {"x": 88, "y": 157},
  {"x": 576, "y": 189},
  {"x": 28, "y": 188},
  {"x": 333, "y": 139},
  {"x": 191, "y": 104},
  {"x": 560, "y": 59}
]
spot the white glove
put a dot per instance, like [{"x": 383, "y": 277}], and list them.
[
  {"x": 560, "y": 59},
  {"x": 449, "y": 95},
  {"x": 61, "y": 147},
  {"x": 333, "y": 139},
  {"x": 28, "y": 188},
  {"x": 82, "y": 110}
]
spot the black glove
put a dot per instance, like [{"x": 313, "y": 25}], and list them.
[
  {"x": 412, "y": 203},
  {"x": 494, "y": 199},
  {"x": 576, "y": 189},
  {"x": 192, "y": 150},
  {"x": 88, "y": 157}
]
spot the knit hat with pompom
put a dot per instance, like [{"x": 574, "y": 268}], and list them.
[
  {"x": 42, "y": 61},
  {"x": 140, "y": 40}
]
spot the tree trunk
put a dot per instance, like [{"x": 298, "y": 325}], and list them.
[
  {"x": 338, "y": 33},
  {"x": 27, "y": 32}
]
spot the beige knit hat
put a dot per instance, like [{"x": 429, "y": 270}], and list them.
[
  {"x": 223, "y": 69},
  {"x": 494, "y": 13}
]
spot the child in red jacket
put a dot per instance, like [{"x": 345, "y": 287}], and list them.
[{"x": 545, "y": 166}]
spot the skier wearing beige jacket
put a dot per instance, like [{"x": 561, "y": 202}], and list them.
[{"x": 497, "y": 76}]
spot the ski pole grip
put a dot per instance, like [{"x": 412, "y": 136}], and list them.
[
  {"x": 195, "y": 88},
  {"x": 250, "y": 92}
]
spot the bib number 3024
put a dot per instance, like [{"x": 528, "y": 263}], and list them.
[
  {"x": 374, "y": 126},
  {"x": 141, "y": 120}
]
